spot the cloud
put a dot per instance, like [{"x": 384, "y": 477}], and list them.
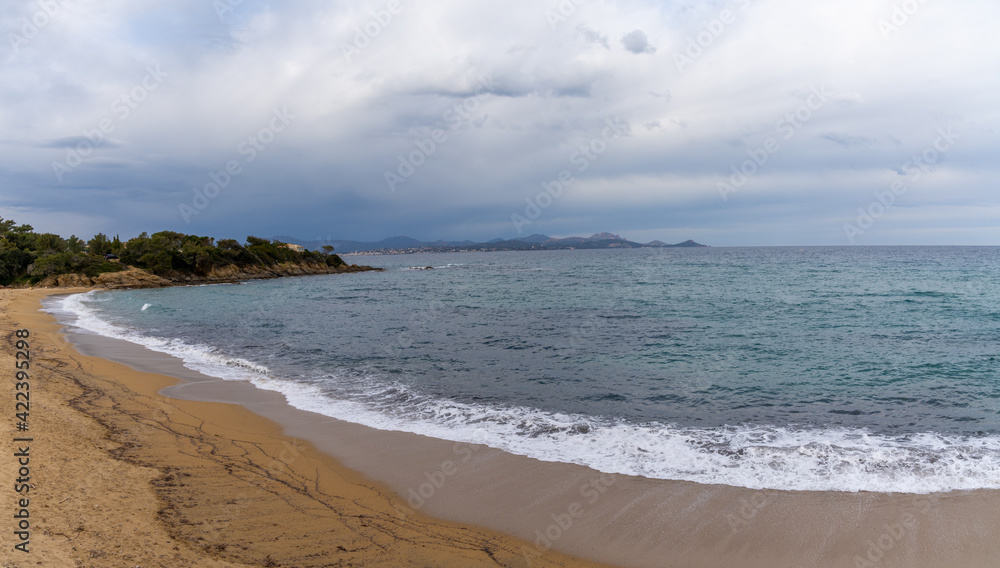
[
  {"x": 665, "y": 95},
  {"x": 847, "y": 141},
  {"x": 74, "y": 141},
  {"x": 404, "y": 95},
  {"x": 636, "y": 42},
  {"x": 592, "y": 36}
]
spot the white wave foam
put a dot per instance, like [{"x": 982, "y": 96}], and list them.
[
  {"x": 442, "y": 267},
  {"x": 202, "y": 358},
  {"x": 758, "y": 457}
]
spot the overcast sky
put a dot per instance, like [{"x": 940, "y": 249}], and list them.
[{"x": 451, "y": 119}]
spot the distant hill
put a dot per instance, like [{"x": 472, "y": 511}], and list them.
[
  {"x": 536, "y": 238},
  {"x": 402, "y": 244}
]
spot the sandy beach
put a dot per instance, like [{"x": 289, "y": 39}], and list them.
[
  {"x": 149, "y": 464},
  {"x": 121, "y": 476}
]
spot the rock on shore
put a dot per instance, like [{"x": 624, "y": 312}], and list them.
[{"x": 138, "y": 278}]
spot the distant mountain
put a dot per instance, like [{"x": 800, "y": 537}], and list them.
[
  {"x": 595, "y": 238},
  {"x": 536, "y": 238},
  {"x": 398, "y": 242},
  {"x": 402, "y": 244},
  {"x": 606, "y": 237}
]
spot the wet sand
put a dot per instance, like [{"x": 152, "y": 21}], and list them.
[
  {"x": 410, "y": 481},
  {"x": 121, "y": 476}
]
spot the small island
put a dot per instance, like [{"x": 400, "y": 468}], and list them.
[{"x": 166, "y": 258}]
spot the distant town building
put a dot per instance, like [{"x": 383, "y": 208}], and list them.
[{"x": 296, "y": 248}]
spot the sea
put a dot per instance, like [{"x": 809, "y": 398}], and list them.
[{"x": 806, "y": 369}]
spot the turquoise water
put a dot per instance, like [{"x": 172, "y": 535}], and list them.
[{"x": 818, "y": 368}]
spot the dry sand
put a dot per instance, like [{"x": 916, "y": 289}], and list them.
[{"x": 170, "y": 482}]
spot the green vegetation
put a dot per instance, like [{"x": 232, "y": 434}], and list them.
[{"x": 27, "y": 257}]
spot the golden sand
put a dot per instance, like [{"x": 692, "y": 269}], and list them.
[{"x": 121, "y": 476}]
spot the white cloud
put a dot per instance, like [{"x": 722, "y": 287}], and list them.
[
  {"x": 402, "y": 77},
  {"x": 637, "y": 42}
]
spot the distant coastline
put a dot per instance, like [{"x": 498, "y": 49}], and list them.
[
  {"x": 520, "y": 245},
  {"x": 168, "y": 258},
  {"x": 406, "y": 245}
]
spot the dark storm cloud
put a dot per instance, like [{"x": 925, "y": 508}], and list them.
[{"x": 477, "y": 109}]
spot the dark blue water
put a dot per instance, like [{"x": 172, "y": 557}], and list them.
[{"x": 815, "y": 368}]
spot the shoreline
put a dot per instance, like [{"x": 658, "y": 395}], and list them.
[
  {"x": 620, "y": 520},
  {"x": 124, "y": 476},
  {"x": 132, "y": 277}
]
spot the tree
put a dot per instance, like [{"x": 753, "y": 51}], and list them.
[
  {"x": 100, "y": 244},
  {"x": 169, "y": 239},
  {"x": 29, "y": 257},
  {"x": 22, "y": 237},
  {"x": 74, "y": 244},
  {"x": 13, "y": 263},
  {"x": 48, "y": 243},
  {"x": 9, "y": 226},
  {"x": 229, "y": 245},
  {"x": 197, "y": 257},
  {"x": 134, "y": 249}
]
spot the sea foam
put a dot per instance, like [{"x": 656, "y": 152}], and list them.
[{"x": 752, "y": 456}]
